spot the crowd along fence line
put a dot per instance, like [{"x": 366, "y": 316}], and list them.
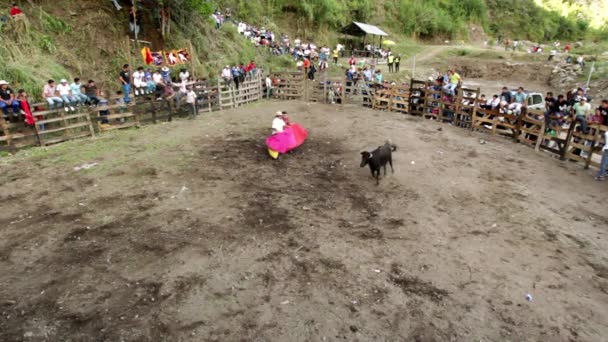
[{"x": 562, "y": 138}]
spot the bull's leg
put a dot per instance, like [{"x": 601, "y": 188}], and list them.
[
  {"x": 384, "y": 169},
  {"x": 390, "y": 161}
]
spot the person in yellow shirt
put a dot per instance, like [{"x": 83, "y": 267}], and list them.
[
  {"x": 390, "y": 59},
  {"x": 455, "y": 80},
  {"x": 335, "y": 55}
]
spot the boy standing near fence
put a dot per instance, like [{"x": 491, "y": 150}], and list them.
[
  {"x": 191, "y": 101},
  {"x": 602, "y": 173}
]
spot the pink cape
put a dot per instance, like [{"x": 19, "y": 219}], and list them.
[{"x": 291, "y": 137}]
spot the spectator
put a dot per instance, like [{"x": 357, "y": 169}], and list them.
[
  {"x": 603, "y": 108},
  {"x": 492, "y": 103},
  {"x": 306, "y": 65},
  {"x": 352, "y": 60},
  {"x": 601, "y": 175},
  {"x": 135, "y": 22},
  {"x": 390, "y": 60},
  {"x": 166, "y": 73},
  {"x": 567, "y": 48},
  {"x": 580, "y": 60},
  {"x": 550, "y": 110},
  {"x": 50, "y": 94},
  {"x": 335, "y": 56},
  {"x": 150, "y": 85},
  {"x": 505, "y": 98},
  {"x": 125, "y": 80},
  {"x": 65, "y": 92},
  {"x": 482, "y": 99},
  {"x": 454, "y": 81},
  {"x": 159, "y": 84},
  {"x": 236, "y": 76},
  {"x": 379, "y": 78},
  {"x": 227, "y": 14},
  {"x": 15, "y": 10},
  {"x": 397, "y": 60},
  {"x": 268, "y": 82},
  {"x": 518, "y": 101},
  {"x": 581, "y": 111},
  {"x": 139, "y": 82},
  {"x": 311, "y": 72},
  {"x": 184, "y": 75},
  {"x": 92, "y": 93},
  {"x": 25, "y": 107},
  {"x": 252, "y": 69},
  {"x": 367, "y": 74},
  {"x": 76, "y": 88},
  {"x": 552, "y": 54},
  {"x": 191, "y": 101},
  {"x": 227, "y": 75},
  {"x": 7, "y": 99}
]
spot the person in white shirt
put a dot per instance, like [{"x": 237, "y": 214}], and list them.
[
  {"x": 278, "y": 124},
  {"x": 227, "y": 75},
  {"x": 191, "y": 101},
  {"x": 157, "y": 77},
  {"x": 65, "y": 92},
  {"x": 268, "y": 87},
  {"x": 184, "y": 75},
  {"x": 139, "y": 81}
]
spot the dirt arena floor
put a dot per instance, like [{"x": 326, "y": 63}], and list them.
[{"x": 188, "y": 232}]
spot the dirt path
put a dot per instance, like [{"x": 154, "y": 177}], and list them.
[{"x": 188, "y": 232}]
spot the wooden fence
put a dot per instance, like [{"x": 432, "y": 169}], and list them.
[{"x": 563, "y": 138}]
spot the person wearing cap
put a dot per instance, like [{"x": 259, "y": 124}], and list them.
[
  {"x": 166, "y": 73},
  {"x": 581, "y": 111},
  {"x": 7, "y": 99},
  {"x": 125, "y": 80},
  {"x": 50, "y": 94},
  {"x": 278, "y": 124},
  {"x": 65, "y": 92}
]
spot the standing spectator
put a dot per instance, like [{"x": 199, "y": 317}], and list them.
[
  {"x": 311, "y": 72},
  {"x": 125, "y": 80},
  {"x": 268, "y": 82},
  {"x": 236, "y": 76},
  {"x": 15, "y": 10},
  {"x": 567, "y": 48},
  {"x": 135, "y": 21},
  {"x": 50, "y": 94},
  {"x": 335, "y": 56},
  {"x": 76, "y": 88},
  {"x": 352, "y": 60},
  {"x": 602, "y": 173},
  {"x": 552, "y": 54},
  {"x": 191, "y": 101},
  {"x": 138, "y": 81},
  {"x": 306, "y": 65},
  {"x": 379, "y": 78},
  {"x": 92, "y": 93},
  {"x": 397, "y": 61},
  {"x": 580, "y": 60},
  {"x": 159, "y": 85},
  {"x": 581, "y": 111},
  {"x": 65, "y": 92},
  {"x": 7, "y": 99},
  {"x": 550, "y": 110},
  {"x": 390, "y": 60},
  {"x": 227, "y": 14},
  {"x": 166, "y": 73},
  {"x": 184, "y": 75}
]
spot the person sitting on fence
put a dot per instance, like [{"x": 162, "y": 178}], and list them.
[
  {"x": 166, "y": 73},
  {"x": 227, "y": 75},
  {"x": 65, "y": 91},
  {"x": 455, "y": 81},
  {"x": 76, "y": 88},
  {"x": 150, "y": 85},
  {"x": 139, "y": 82},
  {"x": 379, "y": 78},
  {"x": 50, "y": 94},
  {"x": 602, "y": 173},
  {"x": 92, "y": 93},
  {"x": 581, "y": 111},
  {"x": 518, "y": 101},
  {"x": 492, "y": 104},
  {"x": 505, "y": 98},
  {"x": 25, "y": 107},
  {"x": 7, "y": 99},
  {"x": 252, "y": 69},
  {"x": 159, "y": 85},
  {"x": 482, "y": 100},
  {"x": 367, "y": 74}
]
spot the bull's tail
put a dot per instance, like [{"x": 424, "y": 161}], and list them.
[{"x": 392, "y": 146}]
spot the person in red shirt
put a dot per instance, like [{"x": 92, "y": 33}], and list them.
[
  {"x": 352, "y": 60},
  {"x": 306, "y": 65},
  {"x": 15, "y": 10},
  {"x": 252, "y": 68},
  {"x": 567, "y": 48}
]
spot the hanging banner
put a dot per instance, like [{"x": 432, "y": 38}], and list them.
[
  {"x": 184, "y": 56},
  {"x": 146, "y": 54},
  {"x": 171, "y": 57},
  {"x": 158, "y": 58}
]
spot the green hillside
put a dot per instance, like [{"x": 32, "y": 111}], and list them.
[{"x": 89, "y": 38}]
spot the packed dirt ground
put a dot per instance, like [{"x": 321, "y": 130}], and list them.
[{"x": 187, "y": 231}]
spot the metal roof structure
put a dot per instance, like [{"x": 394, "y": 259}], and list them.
[{"x": 360, "y": 29}]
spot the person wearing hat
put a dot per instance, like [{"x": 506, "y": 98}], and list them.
[
  {"x": 65, "y": 92},
  {"x": 7, "y": 99},
  {"x": 166, "y": 73},
  {"x": 278, "y": 124},
  {"x": 581, "y": 111},
  {"x": 50, "y": 94}
]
